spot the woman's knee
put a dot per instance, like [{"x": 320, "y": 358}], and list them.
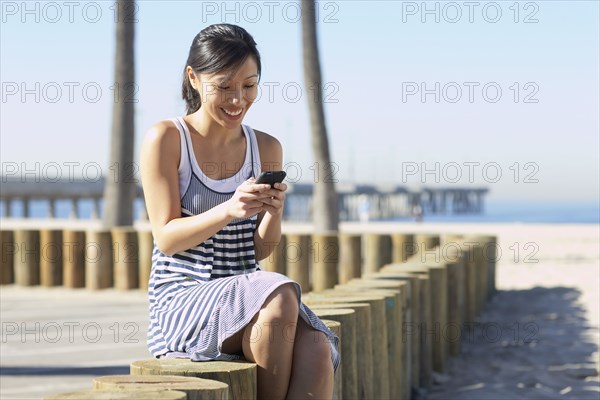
[
  {"x": 282, "y": 304},
  {"x": 316, "y": 349},
  {"x": 323, "y": 361}
]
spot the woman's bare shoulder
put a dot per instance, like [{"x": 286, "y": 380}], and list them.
[
  {"x": 161, "y": 142},
  {"x": 270, "y": 148},
  {"x": 162, "y": 130},
  {"x": 163, "y": 134}
]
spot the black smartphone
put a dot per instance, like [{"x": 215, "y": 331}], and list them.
[{"x": 271, "y": 177}]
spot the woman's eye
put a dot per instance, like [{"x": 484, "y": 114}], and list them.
[{"x": 229, "y": 87}]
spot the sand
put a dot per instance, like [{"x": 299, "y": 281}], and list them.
[{"x": 538, "y": 338}]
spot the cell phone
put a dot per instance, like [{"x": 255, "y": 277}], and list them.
[{"x": 271, "y": 177}]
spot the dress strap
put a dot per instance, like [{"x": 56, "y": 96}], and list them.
[
  {"x": 184, "y": 168},
  {"x": 183, "y": 133},
  {"x": 254, "y": 151}
]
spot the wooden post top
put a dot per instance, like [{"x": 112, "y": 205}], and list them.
[
  {"x": 330, "y": 312},
  {"x": 156, "y": 394},
  {"x": 165, "y": 382},
  {"x": 350, "y": 305},
  {"x": 339, "y": 297},
  {"x": 391, "y": 274},
  {"x": 166, "y": 365},
  {"x": 378, "y": 282}
]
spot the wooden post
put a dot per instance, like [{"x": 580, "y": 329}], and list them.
[
  {"x": 438, "y": 282},
  {"x": 378, "y": 251},
  {"x": 490, "y": 255},
  {"x": 425, "y": 325},
  {"x": 402, "y": 343},
  {"x": 275, "y": 262},
  {"x": 350, "y": 257},
  {"x": 194, "y": 388},
  {"x": 9, "y": 248},
  {"x": 393, "y": 314},
  {"x": 125, "y": 258},
  {"x": 146, "y": 247},
  {"x": 386, "y": 249},
  {"x": 403, "y": 246},
  {"x": 492, "y": 260},
  {"x": 457, "y": 251},
  {"x": 336, "y": 328},
  {"x": 455, "y": 264},
  {"x": 239, "y": 375},
  {"x": 371, "y": 246},
  {"x": 425, "y": 345},
  {"x": 479, "y": 270},
  {"x": 364, "y": 347},
  {"x": 297, "y": 256},
  {"x": 381, "y": 388},
  {"x": 470, "y": 275},
  {"x": 439, "y": 307},
  {"x": 325, "y": 257},
  {"x": 410, "y": 330},
  {"x": 346, "y": 317},
  {"x": 73, "y": 258},
  {"x": 51, "y": 257},
  {"x": 480, "y": 252},
  {"x": 155, "y": 394},
  {"x": 424, "y": 243},
  {"x": 482, "y": 273},
  {"x": 427, "y": 241},
  {"x": 27, "y": 257},
  {"x": 98, "y": 259},
  {"x": 453, "y": 239}
]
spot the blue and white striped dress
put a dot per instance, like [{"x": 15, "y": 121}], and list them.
[{"x": 201, "y": 296}]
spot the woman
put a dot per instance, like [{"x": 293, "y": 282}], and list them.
[{"x": 209, "y": 300}]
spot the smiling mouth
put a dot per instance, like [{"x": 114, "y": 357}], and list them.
[{"x": 232, "y": 113}]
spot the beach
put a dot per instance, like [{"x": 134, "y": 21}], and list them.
[{"x": 538, "y": 337}]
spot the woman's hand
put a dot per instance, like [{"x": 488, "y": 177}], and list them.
[
  {"x": 248, "y": 199},
  {"x": 273, "y": 204}
]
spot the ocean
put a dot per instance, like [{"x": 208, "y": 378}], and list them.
[
  {"x": 525, "y": 212},
  {"x": 495, "y": 211}
]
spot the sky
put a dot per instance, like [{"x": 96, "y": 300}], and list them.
[{"x": 503, "y": 95}]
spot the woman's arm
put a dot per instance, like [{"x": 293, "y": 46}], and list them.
[
  {"x": 160, "y": 156},
  {"x": 268, "y": 231}
]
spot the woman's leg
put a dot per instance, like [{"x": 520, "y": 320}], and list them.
[
  {"x": 268, "y": 340},
  {"x": 312, "y": 369}
]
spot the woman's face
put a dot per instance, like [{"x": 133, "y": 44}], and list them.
[{"x": 226, "y": 97}]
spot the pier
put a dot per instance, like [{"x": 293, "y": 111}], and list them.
[{"x": 357, "y": 202}]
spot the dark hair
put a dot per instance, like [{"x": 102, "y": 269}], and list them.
[{"x": 218, "y": 47}]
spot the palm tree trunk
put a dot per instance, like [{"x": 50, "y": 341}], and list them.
[
  {"x": 325, "y": 202},
  {"x": 120, "y": 182}
]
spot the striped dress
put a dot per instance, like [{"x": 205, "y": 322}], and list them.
[{"x": 201, "y": 296}]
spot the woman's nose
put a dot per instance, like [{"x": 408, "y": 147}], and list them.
[{"x": 234, "y": 96}]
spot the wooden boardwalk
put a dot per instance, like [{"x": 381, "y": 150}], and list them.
[{"x": 56, "y": 340}]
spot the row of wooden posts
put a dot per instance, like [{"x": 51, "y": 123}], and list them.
[
  {"x": 400, "y": 304},
  {"x": 122, "y": 257}
]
